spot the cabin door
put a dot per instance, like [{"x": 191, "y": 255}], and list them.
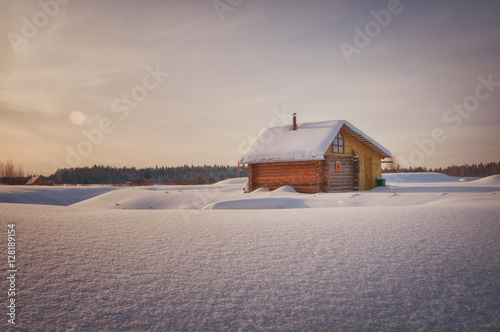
[{"x": 369, "y": 181}]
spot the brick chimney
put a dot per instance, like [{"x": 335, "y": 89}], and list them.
[{"x": 294, "y": 125}]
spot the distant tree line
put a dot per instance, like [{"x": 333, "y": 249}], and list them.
[
  {"x": 144, "y": 176},
  {"x": 185, "y": 175},
  {"x": 480, "y": 170}
]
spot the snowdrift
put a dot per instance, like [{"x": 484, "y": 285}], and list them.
[
  {"x": 259, "y": 204},
  {"x": 437, "y": 182},
  {"x": 493, "y": 180},
  {"x": 402, "y": 189},
  {"x": 167, "y": 197},
  {"x": 424, "y": 177}
]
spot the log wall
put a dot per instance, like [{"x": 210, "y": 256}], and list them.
[
  {"x": 304, "y": 177},
  {"x": 348, "y": 177},
  {"x": 307, "y": 176}
]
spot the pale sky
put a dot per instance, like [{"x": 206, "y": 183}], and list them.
[{"x": 168, "y": 83}]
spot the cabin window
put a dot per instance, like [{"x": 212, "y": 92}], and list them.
[
  {"x": 338, "y": 167},
  {"x": 338, "y": 144}
]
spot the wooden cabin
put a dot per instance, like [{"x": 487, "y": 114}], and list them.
[
  {"x": 36, "y": 181},
  {"x": 328, "y": 156}
]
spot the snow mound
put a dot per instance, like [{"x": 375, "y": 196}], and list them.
[
  {"x": 258, "y": 204},
  {"x": 261, "y": 190},
  {"x": 191, "y": 197},
  {"x": 241, "y": 181},
  {"x": 285, "y": 189},
  {"x": 489, "y": 180}
]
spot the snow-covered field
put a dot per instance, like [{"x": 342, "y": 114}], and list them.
[{"x": 422, "y": 254}]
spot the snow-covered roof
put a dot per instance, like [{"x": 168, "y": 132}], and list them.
[
  {"x": 32, "y": 180},
  {"x": 309, "y": 142}
]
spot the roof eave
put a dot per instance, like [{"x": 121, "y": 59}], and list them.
[
  {"x": 366, "y": 140},
  {"x": 269, "y": 161}
]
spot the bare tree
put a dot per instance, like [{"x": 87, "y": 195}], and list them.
[
  {"x": 9, "y": 170},
  {"x": 10, "y": 173}
]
